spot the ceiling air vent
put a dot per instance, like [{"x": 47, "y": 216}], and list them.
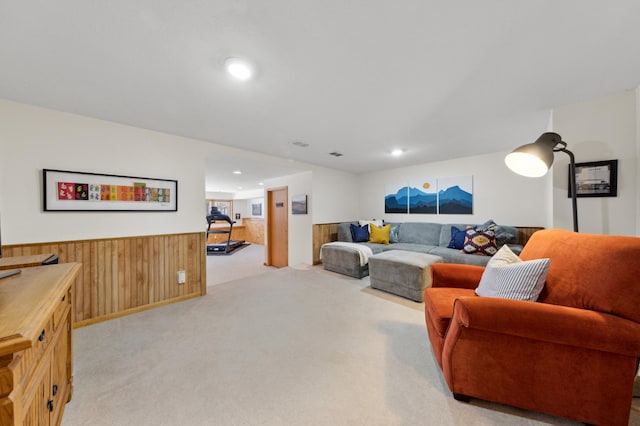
[
  {"x": 335, "y": 154},
  {"x": 300, "y": 144}
]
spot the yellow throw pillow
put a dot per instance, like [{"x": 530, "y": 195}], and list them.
[{"x": 379, "y": 235}]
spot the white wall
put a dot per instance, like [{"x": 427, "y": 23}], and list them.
[
  {"x": 595, "y": 130},
  {"x": 249, "y": 207},
  {"x": 498, "y": 193},
  {"x": 336, "y": 196},
  {"x": 300, "y": 225},
  {"x": 245, "y": 195},
  {"x": 35, "y": 138},
  {"x": 219, "y": 195}
]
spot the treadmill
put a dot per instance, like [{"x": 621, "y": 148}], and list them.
[{"x": 230, "y": 245}]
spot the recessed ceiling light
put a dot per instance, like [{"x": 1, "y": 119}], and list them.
[
  {"x": 239, "y": 68},
  {"x": 237, "y": 172},
  {"x": 261, "y": 183},
  {"x": 397, "y": 152}
]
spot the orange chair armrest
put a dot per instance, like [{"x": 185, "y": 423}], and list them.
[
  {"x": 551, "y": 323},
  {"x": 455, "y": 275}
]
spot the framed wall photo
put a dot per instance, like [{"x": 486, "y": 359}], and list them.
[
  {"x": 596, "y": 179},
  {"x": 256, "y": 209},
  {"x": 299, "y": 204},
  {"x": 65, "y": 190}
]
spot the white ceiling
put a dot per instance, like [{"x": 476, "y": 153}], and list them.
[{"x": 439, "y": 79}]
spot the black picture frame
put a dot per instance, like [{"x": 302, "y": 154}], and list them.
[
  {"x": 100, "y": 192},
  {"x": 596, "y": 179}
]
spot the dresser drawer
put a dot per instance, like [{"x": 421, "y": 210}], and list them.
[
  {"x": 44, "y": 338},
  {"x": 61, "y": 309}
]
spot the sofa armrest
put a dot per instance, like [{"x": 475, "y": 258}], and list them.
[
  {"x": 455, "y": 275},
  {"x": 551, "y": 323}
]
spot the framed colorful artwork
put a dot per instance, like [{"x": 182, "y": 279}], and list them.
[{"x": 80, "y": 191}]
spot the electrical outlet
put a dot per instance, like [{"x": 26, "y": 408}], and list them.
[{"x": 182, "y": 277}]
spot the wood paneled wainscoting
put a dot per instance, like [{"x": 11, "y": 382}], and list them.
[
  {"x": 251, "y": 231},
  {"x": 255, "y": 230},
  {"x": 120, "y": 276}
]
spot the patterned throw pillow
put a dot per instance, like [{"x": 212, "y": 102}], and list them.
[
  {"x": 479, "y": 242},
  {"x": 503, "y": 236}
]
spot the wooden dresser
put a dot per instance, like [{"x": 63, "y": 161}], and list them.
[
  {"x": 24, "y": 261},
  {"x": 35, "y": 345}
]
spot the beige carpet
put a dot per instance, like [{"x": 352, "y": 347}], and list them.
[
  {"x": 287, "y": 347},
  {"x": 247, "y": 262}
]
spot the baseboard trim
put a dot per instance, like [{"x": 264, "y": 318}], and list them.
[{"x": 108, "y": 317}]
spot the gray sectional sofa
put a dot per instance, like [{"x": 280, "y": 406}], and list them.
[{"x": 423, "y": 237}]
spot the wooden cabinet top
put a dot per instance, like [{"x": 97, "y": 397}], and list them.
[
  {"x": 23, "y": 261},
  {"x": 27, "y": 299}
]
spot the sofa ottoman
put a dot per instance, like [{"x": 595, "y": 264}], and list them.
[
  {"x": 346, "y": 258},
  {"x": 402, "y": 273}
]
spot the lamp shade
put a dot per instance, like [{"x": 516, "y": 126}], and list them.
[{"x": 533, "y": 159}]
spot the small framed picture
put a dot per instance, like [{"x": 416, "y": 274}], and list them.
[
  {"x": 596, "y": 179},
  {"x": 299, "y": 204},
  {"x": 256, "y": 209}
]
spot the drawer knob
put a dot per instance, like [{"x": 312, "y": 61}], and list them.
[
  {"x": 64, "y": 297},
  {"x": 54, "y": 390},
  {"x": 50, "y": 404},
  {"x": 41, "y": 337}
]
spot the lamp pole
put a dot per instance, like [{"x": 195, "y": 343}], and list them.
[{"x": 572, "y": 183}]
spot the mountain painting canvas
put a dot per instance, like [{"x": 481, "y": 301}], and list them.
[
  {"x": 423, "y": 197},
  {"x": 396, "y": 199},
  {"x": 455, "y": 195}
]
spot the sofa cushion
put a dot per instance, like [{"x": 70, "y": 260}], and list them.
[
  {"x": 446, "y": 232},
  {"x": 457, "y": 256},
  {"x": 480, "y": 242},
  {"x": 420, "y": 248},
  {"x": 508, "y": 277},
  {"x": 344, "y": 232},
  {"x": 457, "y": 238},
  {"x": 360, "y": 234},
  {"x": 420, "y": 233},
  {"x": 378, "y": 234}
]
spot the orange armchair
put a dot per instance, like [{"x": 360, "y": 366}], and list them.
[{"x": 574, "y": 353}]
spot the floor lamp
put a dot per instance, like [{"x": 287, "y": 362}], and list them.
[{"x": 535, "y": 159}]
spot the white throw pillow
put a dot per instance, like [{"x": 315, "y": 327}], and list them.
[
  {"x": 509, "y": 277},
  {"x": 376, "y": 222}
]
